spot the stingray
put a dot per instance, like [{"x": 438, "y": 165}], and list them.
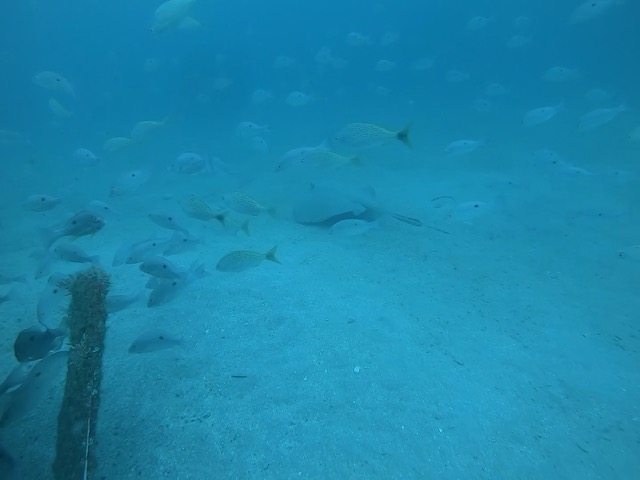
[{"x": 326, "y": 204}]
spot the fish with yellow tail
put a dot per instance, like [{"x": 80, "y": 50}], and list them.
[
  {"x": 241, "y": 260},
  {"x": 363, "y": 136}
]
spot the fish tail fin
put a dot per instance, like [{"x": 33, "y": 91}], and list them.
[
  {"x": 403, "y": 135},
  {"x": 49, "y": 236},
  {"x": 271, "y": 255}
]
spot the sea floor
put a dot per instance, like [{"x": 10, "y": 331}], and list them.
[{"x": 508, "y": 347}]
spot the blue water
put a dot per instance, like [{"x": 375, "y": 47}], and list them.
[{"x": 480, "y": 320}]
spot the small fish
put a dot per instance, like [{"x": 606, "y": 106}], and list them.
[
  {"x": 170, "y": 14},
  {"x": 81, "y": 224},
  {"x": 85, "y": 157},
  {"x": 8, "y": 279},
  {"x": 462, "y": 147},
  {"x": 190, "y": 163},
  {"x": 259, "y": 145},
  {"x": 168, "y": 221},
  {"x": 560, "y": 74},
  {"x": 384, "y": 65},
  {"x": 165, "y": 290},
  {"x": 591, "y": 9},
  {"x": 41, "y": 202},
  {"x": 158, "y": 266},
  {"x": 16, "y": 377},
  {"x": 73, "y": 253},
  {"x": 51, "y": 305},
  {"x": 599, "y": 117},
  {"x": 116, "y": 303},
  {"x": 99, "y": 207},
  {"x": 154, "y": 340},
  {"x": 241, "y": 260},
  {"x": 35, "y": 388},
  {"x": 478, "y": 23},
  {"x": 180, "y": 242},
  {"x": 519, "y": 41},
  {"x": 116, "y": 144},
  {"x": 261, "y": 97},
  {"x": 58, "y": 109},
  {"x": 351, "y": 227},
  {"x": 294, "y": 158},
  {"x": 129, "y": 182},
  {"x": 324, "y": 158},
  {"x": 357, "y": 136},
  {"x": 34, "y": 343},
  {"x": 143, "y": 130},
  {"x": 197, "y": 208},
  {"x": 242, "y": 203},
  {"x": 248, "y": 130},
  {"x": 135, "y": 252},
  {"x": 634, "y": 135},
  {"x": 355, "y": 39},
  {"x": 53, "y": 82},
  {"x": 541, "y": 115},
  {"x": 298, "y": 99}
]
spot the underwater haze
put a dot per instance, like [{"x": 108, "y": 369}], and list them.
[{"x": 345, "y": 239}]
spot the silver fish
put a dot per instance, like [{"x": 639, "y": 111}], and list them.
[
  {"x": 7, "y": 279},
  {"x": 16, "y": 377},
  {"x": 168, "y": 221},
  {"x": 34, "y": 343},
  {"x": 73, "y": 253},
  {"x": 41, "y": 202},
  {"x": 81, "y": 224},
  {"x": 154, "y": 340},
  {"x": 241, "y": 260},
  {"x": 35, "y": 388},
  {"x": 116, "y": 303},
  {"x": 158, "y": 266}
]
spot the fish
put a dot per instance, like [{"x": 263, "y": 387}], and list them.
[
  {"x": 81, "y": 224},
  {"x": 33, "y": 343},
  {"x": 298, "y": 99},
  {"x": 261, "y": 97},
  {"x": 161, "y": 267},
  {"x": 85, "y": 157},
  {"x": 154, "y": 340},
  {"x": 384, "y": 65},
  {"x": 241, "y": 260},
  {"x": 634, "y": 135},
  {"x": 129, "y": 182},
  {"x": 35, "y": 388},
  {"x": 519, "y": 41},
  {"x": 325, "y": 158},
  {"x": 190, "y": 163},
  {"x": 53, "y": 82},
  {"x": 541, "y": 115},
  {"x": 560, "y": 74},
  {"x": 51, "y": 305},
  {"x": 165, "y": 290},
  {"x": 360, "y": 136},
  {"x": 599, "y": 117},
  {"x": 355, "y": 39},
  {"x": 352, "y": 226},
  {"x": 180, "y": 242},
  {"x": 98, "y": 207},
  {"x": 15, "y": 377},
  {"x": 168, "y": 221},
  {"x": 41, "y": 202},
  {"x": 259, "y": 145},
  {"x": 478, "y": 22},
  {"x": 143, "y": 130},
  {"x": 135, "y": 252},
  {"x": 590, "y": 9},
  {"x": 249, "y": 130},
  {"x": 197, "y": 208},
  {"x": 293, "y": 158},
  {"x": 58, "y": 109},
  {"x": 462, "y": 147},
  {"x": 170, "y": 14},
  {"x": 242, "y": 203},
  {"x": 116, "y": 144},
  {"x": 9, "y": 279},
  {"x": 117, "y": 302},
  {"x": 73, "y": 253}
]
